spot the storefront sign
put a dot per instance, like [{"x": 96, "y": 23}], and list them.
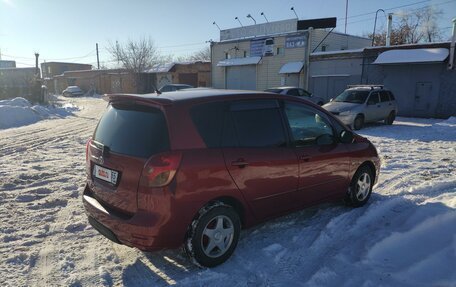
[{"x": 295, "y": 42}]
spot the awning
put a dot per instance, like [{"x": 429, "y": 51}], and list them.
[
  {"x": 239, "y": 61},
  {"x": 412, "y": 56},
  {"x": 291, "y": 68}
]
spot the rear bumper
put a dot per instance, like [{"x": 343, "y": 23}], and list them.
[{"x": 144, "y": 230}]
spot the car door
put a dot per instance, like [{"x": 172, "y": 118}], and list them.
[
  {"x": 323, "y": 162},
  {"x": 373, "y": 108},
  {"x": 257, "y": 157},
  {"x": 386, "y": 104}
]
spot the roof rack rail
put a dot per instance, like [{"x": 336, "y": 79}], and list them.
[{"x": 366, "y": 86}]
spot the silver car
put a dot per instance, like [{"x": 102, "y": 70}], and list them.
[
  {"x": 362, "y": 104},
  {"x": 298, "y": 92}
]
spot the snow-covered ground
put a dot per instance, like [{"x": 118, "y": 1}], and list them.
[
  {"x": 20, "y": 112},
  {"x": 404, "y": 236}
]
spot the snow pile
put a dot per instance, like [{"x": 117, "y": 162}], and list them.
[{"x": 20, "y": 112}]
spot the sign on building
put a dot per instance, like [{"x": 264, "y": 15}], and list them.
[{"x": 295, "y": 42}]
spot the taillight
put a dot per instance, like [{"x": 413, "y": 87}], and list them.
[{"x": 160, "y": 169}]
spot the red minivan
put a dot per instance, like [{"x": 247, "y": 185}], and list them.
[{"x": 193, "y": 167}]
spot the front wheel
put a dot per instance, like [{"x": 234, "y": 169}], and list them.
[
  {"x": 358, "y": 123},
  {"x": 361, "y": 187},
  {"x": 390, "y": 119},
  {"x": 213, "y": 236}
]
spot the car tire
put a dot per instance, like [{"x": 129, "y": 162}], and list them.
[
  {"x": 213, "y": 235},
  {"x": 360, "y": 187},
  {"x": 358, "y": 123},
  {"x": 390, "y": 119}
]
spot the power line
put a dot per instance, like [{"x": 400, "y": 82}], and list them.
[{"x": 369, "y": 19}]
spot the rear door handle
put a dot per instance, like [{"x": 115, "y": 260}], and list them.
[
  {"x": 304, "y": 157},
  {"x": 240, "y": 163}
]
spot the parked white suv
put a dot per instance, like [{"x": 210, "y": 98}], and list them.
[{"x": 362, "y": 104}]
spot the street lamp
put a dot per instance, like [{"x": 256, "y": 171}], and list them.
[
  {"x": 239, "y": 21},
  {"x": 292, "y": 9},
  {"x": 216, "y": 25},
  {"x": 375, "y": 25},
  {"x": 262, "y": 14},
  {"x": 250, "y": 16}
]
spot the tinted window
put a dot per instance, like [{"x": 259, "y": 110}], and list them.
[
  {"x": 208, "y": 120},
  {"x": 373, "y": 99},
  {"x": 260, "y": 126},
  {"x": 391, "y": 96},
  {"x": 303, "y": 93},
  {"x": 133, "y": 130},
  {"x": 306, "y": 124},
  {"x": 384, "y": 97},
  {"x": 352, "y": 96},
  {"x": 293, "y": 92}
]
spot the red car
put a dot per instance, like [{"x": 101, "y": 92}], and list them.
[{"x": 193, "y": 168}]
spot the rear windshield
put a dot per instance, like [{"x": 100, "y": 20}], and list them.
[
  {"x": 352, "y": 96},
  {"x": 133, "y": 130}
]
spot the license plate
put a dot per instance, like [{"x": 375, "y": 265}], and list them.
[{"x": 105, "y": 174}]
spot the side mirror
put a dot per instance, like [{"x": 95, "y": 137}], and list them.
[
  {"x": 346, "y": 136},
  {"x": 325, "y": 139}
]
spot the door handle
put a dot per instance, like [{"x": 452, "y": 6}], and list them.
[
  {"x": 241, "y": 163},
  {"x": 304, "y": 157}
]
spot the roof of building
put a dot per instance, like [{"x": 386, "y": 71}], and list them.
[
  {"x": 429, "y": 55},
  {"x": 66, "y": 63}
]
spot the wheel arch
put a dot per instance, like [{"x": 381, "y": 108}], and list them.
[{"x": 371, "y": 166}]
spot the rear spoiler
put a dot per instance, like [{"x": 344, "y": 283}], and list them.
[{"x": 148, "y": 98}]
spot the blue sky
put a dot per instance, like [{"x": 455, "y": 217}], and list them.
[{"x": 63, "y": 30}]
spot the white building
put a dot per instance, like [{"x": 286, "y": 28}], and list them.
[{"x": 271, "y": 54}]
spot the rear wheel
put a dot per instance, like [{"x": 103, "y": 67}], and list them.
[
  {"x": 358, "y": 123},
  {"x": 361, "y": 187},
  {"x": 213, "y": 236},
  {"x": 390, "y": 119}
]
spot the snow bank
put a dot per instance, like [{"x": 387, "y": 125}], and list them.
[{"x": 20, "y": 112}]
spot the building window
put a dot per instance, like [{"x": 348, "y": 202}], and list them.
[
  {"x": 245, "y": 54},
  {"x": 323, "y": 48},
  {"x": 49, "y": 70},
  {"x": 280, "y": 51},
  {"x": 226, "y": 56}
]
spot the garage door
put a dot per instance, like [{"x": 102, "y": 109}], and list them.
[{"x": 241, "y": 77}]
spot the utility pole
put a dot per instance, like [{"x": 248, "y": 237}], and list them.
[
  {"x": 37, "y": 70},
  {"x": 346, "y": 16},
  {"x": 98, "y": 58}
]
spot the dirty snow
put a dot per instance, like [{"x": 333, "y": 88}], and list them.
[{"x": 404, "y": 236}]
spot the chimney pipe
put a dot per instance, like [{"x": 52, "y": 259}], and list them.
[
  {"x": 388, "y": 32},
  {"x": 452, "y": 47}
]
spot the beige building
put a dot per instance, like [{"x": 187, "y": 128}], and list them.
[{"x": 272, "y": 54}]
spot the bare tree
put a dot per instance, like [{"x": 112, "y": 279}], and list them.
[
  {"x": 415, "y": 26},
  {"x": 135, "y": 56},
  {"x": 203, "y": 55}
]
